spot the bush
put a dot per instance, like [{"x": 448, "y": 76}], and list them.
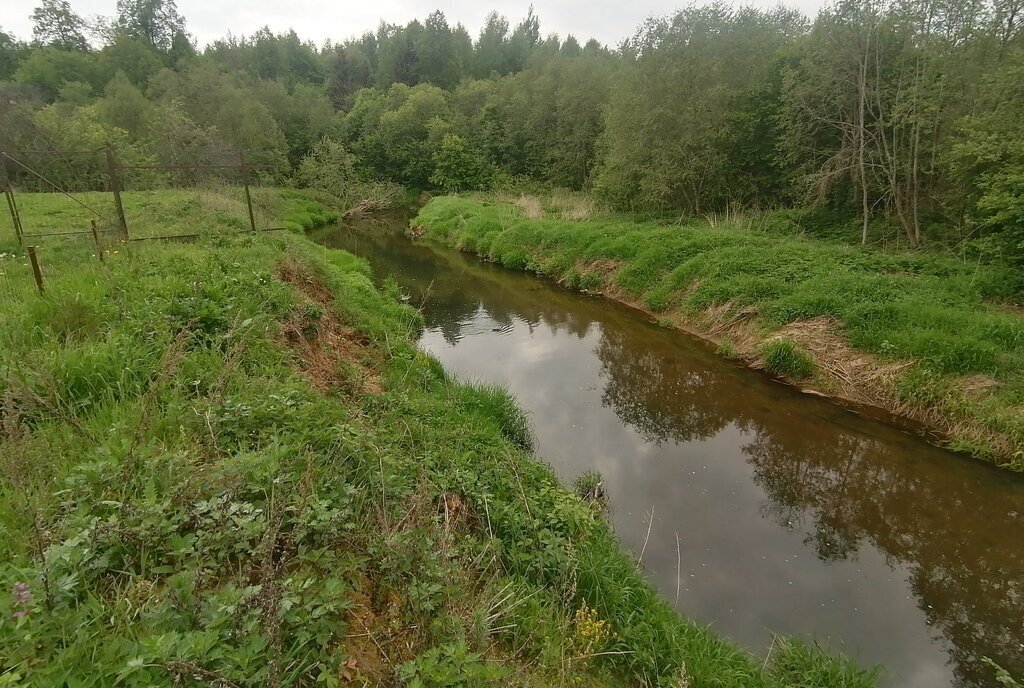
[{"x": 332, "y": 170}]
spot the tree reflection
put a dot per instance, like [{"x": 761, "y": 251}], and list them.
[
  {"x": 664, "y": 397},
  {"x": 956, "y": 526},
  {"x": 959, "y": 533}
]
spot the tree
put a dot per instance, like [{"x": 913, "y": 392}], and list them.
[
  {"x": 491, "y": 54},
  {"x": 48, "y": 68},
  {"x": 11, "y": 52},
  {"x": 987, "y": 161},
  {"x": 438, "y": 59},
  {"x": 153, "y": 21},
  {"x": 524, "y": 39},
  {"x": 124, "y": 106},
  {"x": 63, "y": 128},
  {"x": 348, "y": 71},
  {"x": 54, "y": 23},
  {"x": 397, "y": 60},
  {"x": 668, "y": 136},
  {"x": 331, "y": 169},
  {"x": 457, "y": 167},
  {"x": 131, "y": 56},
  {"x": 328, "y": 167}
]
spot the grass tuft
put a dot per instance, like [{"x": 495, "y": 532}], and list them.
[{"x": 783, "y": 357}]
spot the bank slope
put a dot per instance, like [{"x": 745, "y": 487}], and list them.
[
  {"x": 225, "y": 463},
  {"x": 926, "y": 337}
]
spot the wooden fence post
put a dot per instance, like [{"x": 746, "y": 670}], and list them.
[
  {"x": 35, "y": 268},
  {"x": 12, "y": 206},
  {"x": 115, "y": 188},
  {"x": 245, "y": 183},
  {"x": 96, "y": 238}
]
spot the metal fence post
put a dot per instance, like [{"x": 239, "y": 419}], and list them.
[
  {"x": 35, "y": 268},
  {"x": 115, "y": 188},
  {"x": 96, "y": 238},
  {"x": 12, "y": 206},
  {"x": 245, "y": 183}
]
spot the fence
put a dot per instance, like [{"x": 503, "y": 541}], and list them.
[{"x": 94, "y": 207}]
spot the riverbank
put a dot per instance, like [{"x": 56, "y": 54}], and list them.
[
  {"x": 224, "y": 461},
  {"x": 924, "y": 337}
]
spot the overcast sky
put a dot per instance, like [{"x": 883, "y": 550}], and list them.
[{"x": 609, "y": 21}]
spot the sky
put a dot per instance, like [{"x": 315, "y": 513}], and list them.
[{"x": 609, "y": 21}]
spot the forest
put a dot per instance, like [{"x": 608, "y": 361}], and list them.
[{"x": 898, "y": 121}]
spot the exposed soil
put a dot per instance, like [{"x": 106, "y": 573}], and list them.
[{"x": 330, "y": 354}]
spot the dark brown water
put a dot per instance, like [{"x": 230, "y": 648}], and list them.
[{"x": 792, "y": 515}]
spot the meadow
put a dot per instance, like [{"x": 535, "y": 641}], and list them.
[
  {"x": 932, "y": 337},
  {"x": 224, "y": 462}
]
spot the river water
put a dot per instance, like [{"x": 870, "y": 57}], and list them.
[{"x": 786, "y": 514}]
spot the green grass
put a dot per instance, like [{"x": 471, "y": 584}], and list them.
[
  {"x": 216, "y": 208},
  {"x": 950, "y": 318},
  {"x": 783, "y": 357},
  {"x": 224, "y": 461}
]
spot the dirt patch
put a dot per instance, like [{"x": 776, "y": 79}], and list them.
[
  {"x": 458, "y": 513},
  {"x": 330, "y": 354},
  {"x": 606, "y": 266},
  {"x": 310, "y": 284},
  {"x": 366, "y": 657}
]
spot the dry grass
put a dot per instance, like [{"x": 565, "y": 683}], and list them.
[
  {"x": 575, "y": 207},
  {"x": 862, "y": 380},
  {"x": 729, "y": 218},
  {"x": 530, "y": 207}
]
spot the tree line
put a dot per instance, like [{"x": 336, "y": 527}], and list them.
[{"x": 900, "y": 116}]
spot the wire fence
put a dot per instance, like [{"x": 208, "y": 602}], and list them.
[{"x": 87, "y": 203}]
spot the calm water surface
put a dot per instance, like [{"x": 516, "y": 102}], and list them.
[{"x": 792, "y": 515}]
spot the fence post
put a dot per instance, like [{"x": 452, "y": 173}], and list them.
[
  {"x": 35, "y": 268},
  {"x": 12, "y": 206},
  {"x": 115, "y": 188},
  {"x": 96, "y": 238},
  {"x": 245, "y": 183}
]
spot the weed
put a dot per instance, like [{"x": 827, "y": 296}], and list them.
[{"x": 589, "y": 485}]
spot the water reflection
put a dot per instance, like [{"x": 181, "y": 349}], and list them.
[{"x": 792, "y": 515}]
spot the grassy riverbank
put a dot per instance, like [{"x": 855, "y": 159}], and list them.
[
  {"x": 225, "y": 463},
  {"x": 926, "y": 336}
]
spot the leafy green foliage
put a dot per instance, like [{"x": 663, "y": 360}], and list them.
[{"x": 457, "y": 168}]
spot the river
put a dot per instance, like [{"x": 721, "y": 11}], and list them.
[{"x": 770, "y": 511}]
